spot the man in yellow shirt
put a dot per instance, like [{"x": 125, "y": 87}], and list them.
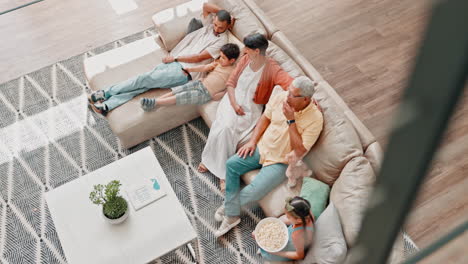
[{"x": 291, "y": 121}]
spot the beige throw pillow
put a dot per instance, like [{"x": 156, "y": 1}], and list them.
[
  {"x": 329, "y": 245},
  {"x": 350, "y": 194}
]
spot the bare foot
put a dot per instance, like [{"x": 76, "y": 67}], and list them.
[
  {"x": 201, "y": 168},
  {"x": 222, "y": 185}
]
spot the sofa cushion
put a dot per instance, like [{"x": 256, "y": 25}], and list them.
[
  {"x": 338, "y": 143},
  {"x": 316, "y": 192},
  {"x": 273, "y": 203},
  {"x": 350, "y": 193},
  {"x": 172, "y": 23},
  {"x": 329, "y": 245},
  {"x": 246, "y": 22}
]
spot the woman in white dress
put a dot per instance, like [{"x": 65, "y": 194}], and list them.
[{"x": 249, "y": 88}]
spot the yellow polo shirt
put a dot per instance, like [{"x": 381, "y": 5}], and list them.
[{"x": 275, "y": 144}]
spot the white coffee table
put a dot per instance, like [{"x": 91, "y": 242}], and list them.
[{"x": 147, "y": 234}]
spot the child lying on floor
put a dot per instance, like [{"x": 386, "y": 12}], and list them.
[{"x": 212, "y": 87}]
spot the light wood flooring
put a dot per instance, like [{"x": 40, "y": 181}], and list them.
[{"x": 363, "y": 48}]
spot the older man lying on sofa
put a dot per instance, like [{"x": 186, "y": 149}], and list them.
[
  {"x": 197, "y": 48},
  {"x": 291, "y": 121}
]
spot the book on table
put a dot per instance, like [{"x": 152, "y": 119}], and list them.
[{"x": 144, "y": 193}]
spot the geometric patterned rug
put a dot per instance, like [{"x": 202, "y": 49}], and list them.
[{"x": 48, "y": 137}]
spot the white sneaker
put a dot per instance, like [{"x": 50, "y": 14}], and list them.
[
  {"x": 219, "y": 214},
  {"x": 226, "y": 226}
]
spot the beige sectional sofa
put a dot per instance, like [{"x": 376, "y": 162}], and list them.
[{"x": 346, "y": 156}]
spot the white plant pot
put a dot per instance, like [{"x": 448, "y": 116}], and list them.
[{"x": 118, "y": 220}]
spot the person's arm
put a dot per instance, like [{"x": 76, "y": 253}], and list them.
[
  {"x": 298, "y": 241},
  {"x": 260, "y": 127},
  {"x": 232, "y": 99},
  {"x": 189, "y": 58},
  {"x": 202, "y": 68},
  {"x": 249, "y": 147},
  {"x": 210, "y": 8},
  {"x": 295, "y": 138}
]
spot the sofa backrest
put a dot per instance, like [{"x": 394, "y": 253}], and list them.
[
  {"x": 338, "y": 142},
  {"x": 284, "y": 60}
]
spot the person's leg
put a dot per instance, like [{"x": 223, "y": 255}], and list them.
[
  {"x": 120, "y": 99},
  {"x": 193, "y": 93},
  {"x": 148, "y": 104},
  {"x": 266, "y": 180},
  {"x": 163, "y": 76},
  {"x": 235, "y": 167},
  {"x": 169, "y": 100},
  {"x": 230, "y": 213},
  {"x": 167, "y": 95}
]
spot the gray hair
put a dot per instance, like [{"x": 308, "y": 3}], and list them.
[{"x": 304, "y": 84}]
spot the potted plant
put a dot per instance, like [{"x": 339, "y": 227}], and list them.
[{"x": 114, "y": 207}]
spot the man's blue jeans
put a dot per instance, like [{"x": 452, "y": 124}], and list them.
[
  {"x": 165, "y": 75},
  {"x": 266, "y": 180}
]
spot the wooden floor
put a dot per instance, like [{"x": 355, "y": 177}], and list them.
[{"x": 363, "y": 48}]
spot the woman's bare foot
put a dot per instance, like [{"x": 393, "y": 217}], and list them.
[
  {"x": 201, "y": 168},
  {"x": 222, "y": 185}
]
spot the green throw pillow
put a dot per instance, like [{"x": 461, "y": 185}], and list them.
[{"x": 316, "y": 192}]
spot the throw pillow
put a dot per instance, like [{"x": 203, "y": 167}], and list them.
[
  {"x": 316, "y": 192},
  {"x": 329, "y": 245},
  {"x": 350, "y": 195},
  {"x": 195, "y": 24}
]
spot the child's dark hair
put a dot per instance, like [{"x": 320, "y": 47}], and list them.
[
  {"x": 231, "y": 51},
  {"x": 256, "y": 41},
  {"x": 299, "y": 207}
]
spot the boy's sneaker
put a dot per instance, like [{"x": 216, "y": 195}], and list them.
[
  {"x": 98, "y": 96},
  {"x": 99, "y": 108},
  {"x": 219, "y": 214},
  {"x": 148, "y": 104}
]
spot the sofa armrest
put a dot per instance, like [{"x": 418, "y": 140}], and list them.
[
  {"x": 374, "y": 154},
  {"x": 260, "y": 14},
  {"x": 366, "y": 137},
  {"x": 172, "y": 23}
]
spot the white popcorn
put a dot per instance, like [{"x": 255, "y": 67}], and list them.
[{"x": 271, "y": 235}]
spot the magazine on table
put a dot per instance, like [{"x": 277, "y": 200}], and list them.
[{"x": 142, "y": 194}]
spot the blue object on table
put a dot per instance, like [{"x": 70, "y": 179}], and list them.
[{"x": 155, "y": 184}]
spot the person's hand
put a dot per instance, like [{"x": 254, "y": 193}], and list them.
[
  {"x": 233, "y": 21},
  {"x": 168, "y": 59},
  {"x": 288, "y": 111},
  {"x": 211, "y": 66},
  {"x": 238, "y": 109},
  {"x": 253, "y": 235},
  {"x": 247, "y": 149}
]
